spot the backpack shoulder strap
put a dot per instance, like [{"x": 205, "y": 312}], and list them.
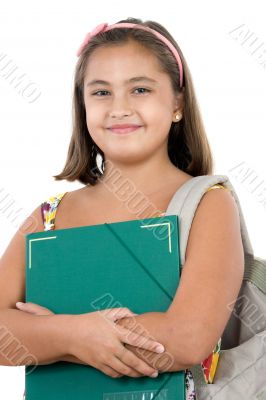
[{"x": 184, "y": 204}]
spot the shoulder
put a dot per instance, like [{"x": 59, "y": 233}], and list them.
[
  {"x": 42, "y": 215},
  {"x": 66, "y": 199},
  {"x": 63, "y": 209},
  {"x": 220, "y": 200},
  {"x": 216, "y": 215}
]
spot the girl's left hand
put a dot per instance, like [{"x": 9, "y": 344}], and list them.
[{"x": 34, "y": 308}]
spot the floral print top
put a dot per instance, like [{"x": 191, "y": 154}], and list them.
[{"x": 209, "y": 365}]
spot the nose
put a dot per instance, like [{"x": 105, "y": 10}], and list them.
[{"x": 120, "y": 107}]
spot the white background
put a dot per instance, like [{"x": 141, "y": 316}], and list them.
[{"x": 41, "y": 39}]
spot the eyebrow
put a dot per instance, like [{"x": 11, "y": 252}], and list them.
[{"x": 134, "y": 79}]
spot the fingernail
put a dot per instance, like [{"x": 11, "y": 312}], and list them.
[
  {"x": 154, "y": 375},
  {"x": 159, "y": 349},
  {"x": 19, "y": 303}
]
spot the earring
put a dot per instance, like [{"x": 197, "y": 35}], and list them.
[
  {"x": 178, "y": 117},
  {"x": 94, "y": 150},
  {"x": 95, "y": 171}
]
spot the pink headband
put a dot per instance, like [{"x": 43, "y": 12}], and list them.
[{"x": 104, "y": 28}]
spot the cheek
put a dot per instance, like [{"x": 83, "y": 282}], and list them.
[
  {"x": 94, "y": 118},
  {"x": 155, "y": 112}
]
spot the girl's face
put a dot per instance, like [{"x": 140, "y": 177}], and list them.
[{"x": 124, "y": 99}]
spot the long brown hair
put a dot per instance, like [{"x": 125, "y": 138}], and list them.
[{"x": 188, "y": 147}]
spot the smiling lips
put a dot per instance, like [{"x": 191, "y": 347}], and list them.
[{"x": 124, "y": 128}]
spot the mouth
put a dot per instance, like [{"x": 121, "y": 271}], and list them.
[{"x": 124, "y": 130}]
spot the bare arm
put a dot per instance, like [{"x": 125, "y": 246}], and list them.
[
  {"x": 27, "y": 339},
  {"x": 210, "y": 281},
  {"x": 22, "y": 333}
]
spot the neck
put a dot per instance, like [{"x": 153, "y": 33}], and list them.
[{"x": 145, "y": 176}]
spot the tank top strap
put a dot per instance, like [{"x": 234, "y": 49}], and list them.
[
  {"x": 218, "y": 186},
  {"x": 48, "y": 209}
]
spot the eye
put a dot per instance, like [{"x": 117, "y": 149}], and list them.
[
  {"x": 99, "y": 91},
  {"x": 146, "y": 90},
  {"x": 106, "y": 91}
]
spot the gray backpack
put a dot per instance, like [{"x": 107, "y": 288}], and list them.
[{"x": 241, "y": 369}]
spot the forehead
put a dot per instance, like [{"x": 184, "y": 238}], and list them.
[{"x": 127, "y": 59}]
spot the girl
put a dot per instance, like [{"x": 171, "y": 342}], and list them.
[{"x": 135, "y": 110}]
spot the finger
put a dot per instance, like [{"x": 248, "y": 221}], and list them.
[
  {"x": 129, "y": 323},
  {"x": 110, "y": 371},
  {"x": 138, "y": 340},
  {"x": 29, "y": 307},
  {"x": 117, "y": 313},
  {"x": 33, "y": 308},
  {"x": 126, "y": 369},
  {"x": 135, "y": 364}
]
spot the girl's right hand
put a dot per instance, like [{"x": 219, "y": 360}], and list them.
[{"x": 96, "y": 340}]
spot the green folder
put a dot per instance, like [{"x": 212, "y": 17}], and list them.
[{"x": 134, "y": 264}]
